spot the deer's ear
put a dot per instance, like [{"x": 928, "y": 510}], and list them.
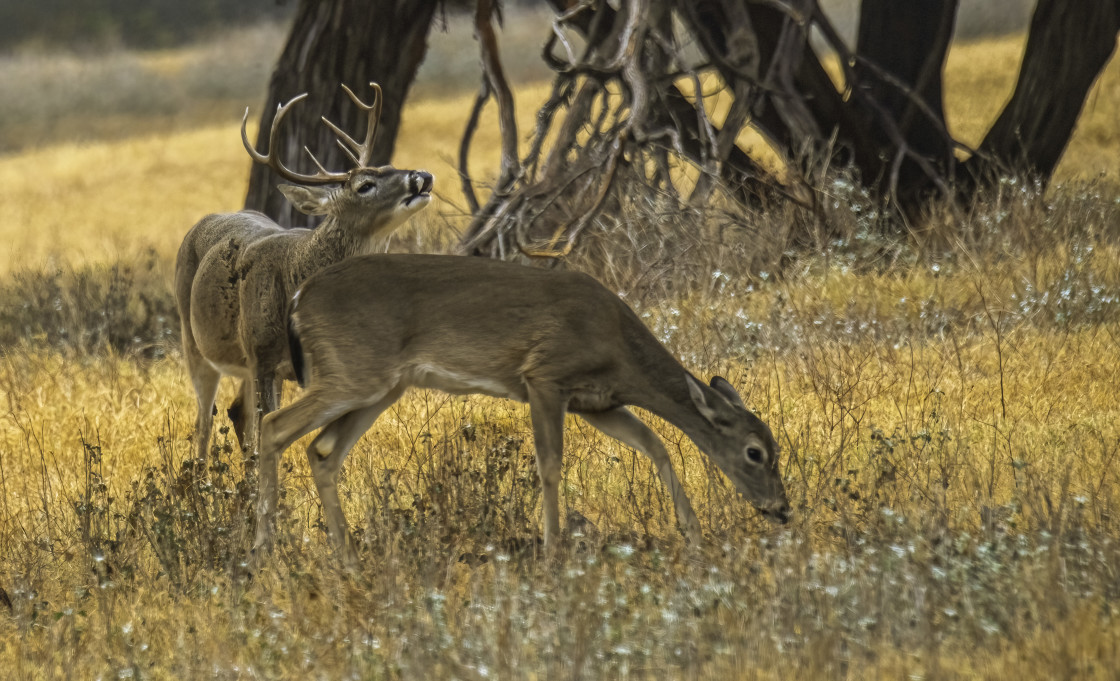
[
  {"x": 307, "y": 200},
  {"x": 720, "y": 385},
  {"x": 702, "y": 399}
]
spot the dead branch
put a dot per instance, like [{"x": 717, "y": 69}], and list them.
[
  {"x": 465, "y": 145},
  {"x": 499, "y": 87}
]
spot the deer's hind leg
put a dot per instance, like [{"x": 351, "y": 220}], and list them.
[
  {"x": 325, "y": 456},
  {"x": 316, "y": 408},
  {"x": 279, "y": 430}
]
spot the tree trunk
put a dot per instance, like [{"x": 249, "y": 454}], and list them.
[
  {"x": 1070, "y": 42},
  {"x": 891, "y": 128},
  {"x": 901, "y": 52},
  {"x": 334, "y": 42}
]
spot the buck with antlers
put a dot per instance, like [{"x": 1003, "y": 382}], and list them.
[
  {"x": 236, "y": 272},
  {"x": 364, "y": 330}
]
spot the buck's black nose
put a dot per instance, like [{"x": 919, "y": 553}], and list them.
[{"x": 421, "y": 181}]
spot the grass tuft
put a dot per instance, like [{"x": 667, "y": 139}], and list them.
[{"x": 124, "y": 308}]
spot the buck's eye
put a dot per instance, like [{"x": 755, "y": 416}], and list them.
[
  {"x": 755, "y": 454},
  {"x": 366, "y": 187}
]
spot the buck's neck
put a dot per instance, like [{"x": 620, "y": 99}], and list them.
[{"x": 335, "y": 239}]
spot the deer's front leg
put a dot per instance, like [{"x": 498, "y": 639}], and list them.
[
  {"x": 622, "y": 425},
  {"x": 548, "y": 436}
]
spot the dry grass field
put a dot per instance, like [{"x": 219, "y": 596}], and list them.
[{"x": 946, "y": 403}]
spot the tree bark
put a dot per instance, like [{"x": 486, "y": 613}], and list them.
[
  {"x": 334, "y": 42},
  {"x": 1070, "y": 42},
  {"x": 901, "y": 52}
]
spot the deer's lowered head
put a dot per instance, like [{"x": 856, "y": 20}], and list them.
[{"x": 740, "y": 444}]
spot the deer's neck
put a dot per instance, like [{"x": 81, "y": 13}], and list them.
[
  {"x": 673, "y": 402},
  {"x": 665, "y": 392},
  {"x": 330, "y": 242}
]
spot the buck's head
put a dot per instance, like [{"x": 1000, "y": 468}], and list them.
[
  {"x": 373, "y": 198},
  {"x": 742, "y": 445}
]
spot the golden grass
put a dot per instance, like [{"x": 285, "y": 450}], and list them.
[
  {"x": 946, "y": 404},
  {"x": 995, "y": 439},
  {"x": 105, "y": 201}
]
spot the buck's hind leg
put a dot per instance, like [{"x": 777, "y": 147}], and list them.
[
  {"x": 622, "y": 425},
  {"x": 325, "y": 456},
  {"x": 204, "y": 379},
  {"x": 258, "y": 400},
  {"x": 237, "y": 415}
]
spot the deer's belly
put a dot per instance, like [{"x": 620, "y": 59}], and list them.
[
  {"x": 458, "y": 383},
  {"x": 592, "y": 400}
]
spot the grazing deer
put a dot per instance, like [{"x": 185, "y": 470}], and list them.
[
  {"x": 236, "y": 272},
  {"x": 368, "y": 328}
]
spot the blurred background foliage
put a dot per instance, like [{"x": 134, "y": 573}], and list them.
[
  {"x": 97, "y": 25},
  {"x": 100, "y": 24}
]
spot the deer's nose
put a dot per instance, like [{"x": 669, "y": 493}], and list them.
[
  {"x": 421, "y": 181},
  {"x": 778, "y": 514}
]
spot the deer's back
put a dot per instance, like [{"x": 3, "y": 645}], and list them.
[{"x": 488, "y": 326}]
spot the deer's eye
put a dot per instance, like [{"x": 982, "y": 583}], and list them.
[
  {"x": 755, "y": 454},
  {"x": 366, "y": 187}
]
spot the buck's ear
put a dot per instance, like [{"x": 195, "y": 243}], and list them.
[
  {"x": 723, "y": 387},
  {"x": 307, "y": 200}
]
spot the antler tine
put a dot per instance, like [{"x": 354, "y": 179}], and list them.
[
  {"x": 349, "y": 154},
  {"x": 344, "y": 140},
  {"x": 364, "y": 149},
  {"x": 253, "y": 153},
  {"x": 316, "y": 162},
  {"x": 374, "y": 111},
  {"x": 324, "y": 176}
]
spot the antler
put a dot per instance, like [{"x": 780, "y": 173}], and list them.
[{"x": 364, "y": 150}]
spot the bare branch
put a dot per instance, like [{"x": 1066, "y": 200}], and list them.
[
  {"x": 465, "y": 145},
  {"x": 561, "y": 92},
  {"x": 503, "y": 95}
]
